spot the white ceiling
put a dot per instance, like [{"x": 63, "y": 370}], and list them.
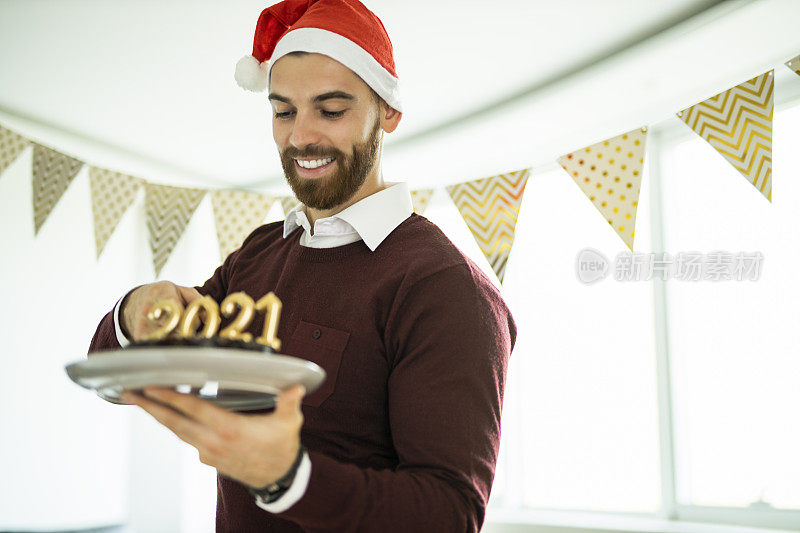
[{"x": 147, "y": 87}]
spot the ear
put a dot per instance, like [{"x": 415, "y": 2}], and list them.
[{"x": 390, "y": 117}]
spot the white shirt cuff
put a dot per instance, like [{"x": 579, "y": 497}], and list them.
[
  {"x": 296, "y": 490},
  {"x": 121, "y": 338}
]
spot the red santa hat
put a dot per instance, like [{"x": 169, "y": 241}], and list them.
[{"x": 344, "y": 30}]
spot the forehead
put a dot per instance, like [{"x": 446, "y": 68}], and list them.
[{"x": 312, "y": 72}]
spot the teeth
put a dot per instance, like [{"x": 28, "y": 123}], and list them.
[{"x": 314, "y": 164}]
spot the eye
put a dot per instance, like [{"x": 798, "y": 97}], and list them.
[
  {"x": 333, "y": 114},
  {"x": 283, "y": 115}
]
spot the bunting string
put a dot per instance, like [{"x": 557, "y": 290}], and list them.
[{"x": 736, "y": 122}]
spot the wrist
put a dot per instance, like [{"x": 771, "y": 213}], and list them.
[
  {"x": 123, "y": 315},
  {"x": 277, "y": 488}
]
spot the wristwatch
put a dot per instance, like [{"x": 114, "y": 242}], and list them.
[{"x": 276, "y": 489}]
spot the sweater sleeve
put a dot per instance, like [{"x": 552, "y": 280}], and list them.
[
  {"x": 449, "y": 341},
  {"x": 108, "y": 335},
  {"x": 105, "y": 337}
]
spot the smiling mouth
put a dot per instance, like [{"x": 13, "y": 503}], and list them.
[{"x": 313, "y": 166}]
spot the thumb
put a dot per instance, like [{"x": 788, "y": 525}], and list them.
[
  {"x": 188, "y": 294},
  {"x": 289, "y": 401}
]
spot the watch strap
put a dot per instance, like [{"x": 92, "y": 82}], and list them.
[{"x": 277, "y": 488}]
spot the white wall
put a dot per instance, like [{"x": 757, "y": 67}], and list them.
[{"x": 92, "y": 462}]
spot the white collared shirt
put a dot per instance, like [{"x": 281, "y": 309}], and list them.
[{"x": 371, "y": 219}]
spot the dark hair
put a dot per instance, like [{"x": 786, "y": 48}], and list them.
[{"x": 375, "y": 96}]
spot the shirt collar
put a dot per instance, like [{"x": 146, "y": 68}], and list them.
[{"x": 373, "y": 217}]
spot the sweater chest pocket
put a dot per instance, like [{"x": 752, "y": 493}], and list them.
[{"x": 324, "y": 346}]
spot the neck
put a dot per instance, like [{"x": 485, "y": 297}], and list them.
[{"x": 370, "y": 187}]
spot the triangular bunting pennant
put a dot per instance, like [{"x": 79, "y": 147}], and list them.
[
  {"x": 52, "y": 173},
  {"x": 420, "y": 199},
  {"x": 168, "y": 210},
  {"x": 11, "y": 145},
  {"x": 236, "y": 215},
  {"x": 738, "y": 124},
  {"x": 288, "y": 203},
  {"x": 610, "y": 174},
  {"x": 794, "y": 64},
  {"x": 490, "y": 207},
  {"x": 112, "y": 195}
]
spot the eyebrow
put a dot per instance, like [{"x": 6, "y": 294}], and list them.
[{"x": 316, "y": 99}]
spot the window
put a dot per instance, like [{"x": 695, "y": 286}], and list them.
[
  {"x": 585, "y": 421},
  {"x": 732, "y": 343}
]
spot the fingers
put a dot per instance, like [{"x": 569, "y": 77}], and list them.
[
  {"x": 144, "y": 298},
  {"x": 289, "y": 404},
  {"x": 201, "y": 410},
  {"x": 185, "y": 428},
  {"x": 188, "y": 294}
]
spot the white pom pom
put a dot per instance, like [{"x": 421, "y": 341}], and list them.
[{"x": 251, "y": 75}]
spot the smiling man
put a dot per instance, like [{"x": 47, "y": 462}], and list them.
[
  {"x": 404, "y": 433},
  {"x": 331, "y": 110}
]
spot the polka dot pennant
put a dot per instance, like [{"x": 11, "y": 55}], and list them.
[
  {"x": 288, "y": 203},
  {"x": 610, "y": 174},
  {"x": 236, "y": 215},
  {"x": 794, "y": 64},
  {"x": 738, "y": 124},
  {"x": 420, "y": 199},
  {"x": 11, "y": 145},
  {"x": 112, "y": 195}
]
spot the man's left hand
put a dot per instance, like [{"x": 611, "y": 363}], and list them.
[{"x": 254, "y": 449}]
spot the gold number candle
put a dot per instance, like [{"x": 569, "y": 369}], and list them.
[
  {"x": 188, "y": 326},
  {"x": 272, "y": 305},
  {"x": 169, "y": 308},
  {"x": 247, "y": 310}
]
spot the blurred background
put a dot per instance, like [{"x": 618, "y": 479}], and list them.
[{"x": 631, "y": 406}]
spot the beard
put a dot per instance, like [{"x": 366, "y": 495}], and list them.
[{"x": 349, "y": 175}]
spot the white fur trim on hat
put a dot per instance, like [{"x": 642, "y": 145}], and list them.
[
  {"x": 251, "y": 75},
  {"x": 345, "y": 52}
]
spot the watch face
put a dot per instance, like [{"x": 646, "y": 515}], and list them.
[
  {"x": 272, "y": 491},
  {"x": 271, "y": 497}
]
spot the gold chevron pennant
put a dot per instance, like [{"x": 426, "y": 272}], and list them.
[
  {"x": 236, "y": 215},
  {"x": 168, "y": 210},
  {"x": 112, "y": 195},
  {"x": 490, "y": 207},
  {"x": 420, "y": 199},
  {"x": 288, "y": 203},
  {"x": 738, "y": 124},
  {"x": 610, "y": 174},
  {"x": 52, "y": 174},
  {"x": 11, "y": 145},
  {"x": 794, "y": 64}
]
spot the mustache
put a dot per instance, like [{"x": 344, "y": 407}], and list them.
[{"x": 311, "y": 152}]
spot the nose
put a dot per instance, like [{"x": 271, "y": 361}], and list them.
[{"x": 304, "y": 131}]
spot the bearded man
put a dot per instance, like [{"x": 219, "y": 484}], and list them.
[{"x": 404, "y": 433}]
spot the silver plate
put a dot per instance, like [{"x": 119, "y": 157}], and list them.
[{"x": 232, "y": 378}]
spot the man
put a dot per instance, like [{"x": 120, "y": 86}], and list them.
[{"x": 404, "y": 433}]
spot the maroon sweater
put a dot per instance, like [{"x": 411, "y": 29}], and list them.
[{"x": 404, "y": 433}]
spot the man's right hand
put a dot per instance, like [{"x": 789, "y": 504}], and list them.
[{"x": 138, "y": 303}]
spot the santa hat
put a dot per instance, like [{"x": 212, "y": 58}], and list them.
[{"x": 344, "y": 30}]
